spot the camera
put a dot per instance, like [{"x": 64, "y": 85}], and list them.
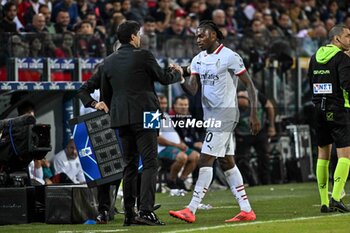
[{"x": 21, "y": 141}]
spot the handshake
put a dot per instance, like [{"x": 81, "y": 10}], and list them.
[
  {"x": 177, "y": 68},
  {"x": 185, "y": 71}
]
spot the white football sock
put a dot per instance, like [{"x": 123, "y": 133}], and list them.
[
  {"x": 204, "y": 179},
  {"x": 235, "y": 181}
]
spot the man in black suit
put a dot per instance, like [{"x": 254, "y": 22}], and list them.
[{"x": 127, "y": 82}]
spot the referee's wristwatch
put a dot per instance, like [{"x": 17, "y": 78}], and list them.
[{"x": 93, "y": 103}]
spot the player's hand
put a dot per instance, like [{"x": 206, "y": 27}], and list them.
[
  {"x": 254, "y": 125},
  {"x": 102, "y": 106}
]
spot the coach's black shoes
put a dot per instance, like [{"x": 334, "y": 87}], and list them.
[
  {"x": 149, "y": 218},
  {"x": 131, "y": 221},
  {"x": 338, "y": 206},
  {"x": 129, "y": 218},
  {"x": 156, "y": 206},
  {"x": 102, "y": 217}
]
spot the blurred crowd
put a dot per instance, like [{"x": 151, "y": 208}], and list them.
[
  {"x": 256, "y": 29},
  {"x": 86, "y": 28}
]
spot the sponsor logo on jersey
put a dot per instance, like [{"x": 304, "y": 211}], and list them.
[
  {"x": 323, "y": 88},
  {"x": 318, "y": 72},
  {"x": 209, "y": 79}
]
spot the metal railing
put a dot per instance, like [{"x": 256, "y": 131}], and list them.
[{"x": 277, "y": 66}]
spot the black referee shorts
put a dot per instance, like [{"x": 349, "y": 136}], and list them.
[{"x": 333, "y": 126}]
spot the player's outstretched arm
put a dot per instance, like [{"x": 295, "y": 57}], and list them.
[
  {"x": 271, "y": 131},
  {"x": 190, "y": 86},
  {"x": 252, "y": 94}
]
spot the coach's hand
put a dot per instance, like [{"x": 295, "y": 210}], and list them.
[
  {"x": 177, "y": 68},
  {"x": 102, "y": 106}
]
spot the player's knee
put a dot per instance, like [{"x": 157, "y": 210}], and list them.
[
  {"x": 226, "y": 163},
  {"x": 206, "y": 160}
]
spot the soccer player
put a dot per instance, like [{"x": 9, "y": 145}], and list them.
[
  {"x": 329, "y": 72},
  {"x": 218, "y": 69}
]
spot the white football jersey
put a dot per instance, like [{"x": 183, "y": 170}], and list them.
[{"x": 218, "y": 73}]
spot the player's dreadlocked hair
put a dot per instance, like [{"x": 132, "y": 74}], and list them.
[{"x": 209, "y": 24}]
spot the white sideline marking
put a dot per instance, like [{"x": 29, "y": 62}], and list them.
[
  {"x": 224, "y": 207},
  {"x": 218, "y": 207},
  {"x": 93, "y": 231},
  {"x": 253, "y": 223}
]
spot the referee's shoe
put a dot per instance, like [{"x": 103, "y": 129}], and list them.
[{"x": 338, "y": 206}]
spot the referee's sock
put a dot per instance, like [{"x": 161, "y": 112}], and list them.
[
  {"x": 322, "y": 175},
  {"x": 340, "y": 176}
]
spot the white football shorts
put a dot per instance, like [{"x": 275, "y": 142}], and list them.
[{"x": 220, "y": 143}]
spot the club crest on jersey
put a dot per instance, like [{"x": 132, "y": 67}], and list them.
[{"x": 323, "y": 88}]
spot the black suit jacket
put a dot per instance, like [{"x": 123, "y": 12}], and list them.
[{"x": 126, "y": 79}]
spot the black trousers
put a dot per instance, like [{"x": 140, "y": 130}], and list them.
[
  {"x": 138, "y": 141},
  {"x": 103, "y": 196},
  {"x": 260, "y": 144}
]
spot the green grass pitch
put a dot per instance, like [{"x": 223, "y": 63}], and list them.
[{"x": 284, "y": 208}]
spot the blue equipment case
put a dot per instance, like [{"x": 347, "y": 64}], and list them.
[{"x": 98, "y": 148}]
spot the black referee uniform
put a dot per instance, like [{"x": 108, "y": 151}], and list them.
[{"x": 329, "y": 75}]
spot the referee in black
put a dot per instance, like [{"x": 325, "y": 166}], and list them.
[
  {"x": 329, "y": 74},
  {"x": 128, "y": 77}
]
